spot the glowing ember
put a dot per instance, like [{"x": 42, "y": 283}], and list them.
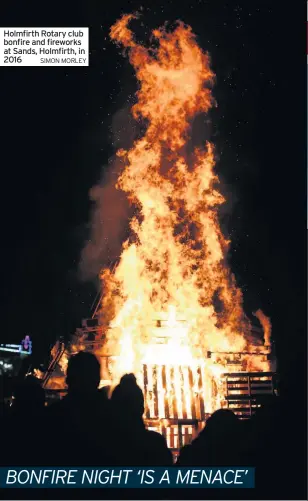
[{"x": 38, "y": 374}]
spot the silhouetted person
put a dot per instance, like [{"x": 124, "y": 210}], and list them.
[
  {"x": 218, "y": 444},
  {"x": 135, "y": 444},
  {"x": 23, "y": 424},
  {"x": 275, "y": 446},
  {"x": 104, "y": 393},
  {"x": 29, "y": 397},
  {"x": 82, "y": 417}
]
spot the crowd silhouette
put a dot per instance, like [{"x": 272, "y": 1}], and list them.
[{"x": 89, "y": 428}]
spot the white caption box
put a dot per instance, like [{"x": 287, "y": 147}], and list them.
[{"x": 44, "y": 46}]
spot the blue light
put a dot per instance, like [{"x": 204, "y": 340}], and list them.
[{"x": 25, "y": 348}]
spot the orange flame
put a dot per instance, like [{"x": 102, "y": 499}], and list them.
[
  {"x": 266, "y": 325},
  {"x": 172, "y": 298}
]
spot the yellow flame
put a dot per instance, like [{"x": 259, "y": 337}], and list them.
[
  {"x": 173, "y": 268},
  {"x": 172, "y": 298}
]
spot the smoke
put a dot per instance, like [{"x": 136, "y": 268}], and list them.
[{"x": 111, "y": 210}]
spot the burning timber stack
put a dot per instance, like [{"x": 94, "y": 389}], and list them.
[
  {"x": 170, "y": 310},
  {"x": 178, "y": 398}
]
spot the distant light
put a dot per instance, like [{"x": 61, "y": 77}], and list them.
[
  {"x": 25, "y": 348},
  {"x": 26, "y": 345},
  {"x": 11, "y": 350}
]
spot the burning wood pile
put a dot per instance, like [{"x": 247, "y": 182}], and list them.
[{"x": 171, "y": 311}]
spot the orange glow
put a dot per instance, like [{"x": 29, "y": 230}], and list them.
[
  {"x": 172, "y": 298},
  {"x": 171, "y": 311},
  {"x": 267, "y": 326}
]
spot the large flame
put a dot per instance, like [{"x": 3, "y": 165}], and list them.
[{"x": 172, "y": 298}]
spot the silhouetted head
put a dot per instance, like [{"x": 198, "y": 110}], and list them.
[
  {"x": 268, "y": 404},
  {"x": 222, "y": 422},
  {"x": 83, "y": 373},
  {"x": 268, "y": 414},
  {"x": 29, "y": 394},
  {"x": 127, "y": 397},
  {"x": 104, "y": 393}
]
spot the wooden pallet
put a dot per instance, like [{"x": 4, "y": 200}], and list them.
[{"x": 246, "y": 391}]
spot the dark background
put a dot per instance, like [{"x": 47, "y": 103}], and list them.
[{"x": 56, "y": 138}]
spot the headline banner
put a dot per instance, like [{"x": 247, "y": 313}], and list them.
[{"x": 126, "y": 477}]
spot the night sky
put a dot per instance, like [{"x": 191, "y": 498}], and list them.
[{"x": 57, "y": 138}]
